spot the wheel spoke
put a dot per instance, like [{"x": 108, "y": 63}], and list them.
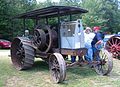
[
  {"x": 104, "y": 56},
  {"x": 57, "y": 75},
  {"x": 55, "y": 64},
  {"x": 116, "y": 41},
  {"x": 57, "y": 71},
  {"x": 20, "y": 53},
  {"x": 118, "y": 53},
  {"x": 105, "y": 66},
  {"x": 46, "y": 44},
  {"x": 110, "y": 43},
  {"x": 105, "y": 63}
]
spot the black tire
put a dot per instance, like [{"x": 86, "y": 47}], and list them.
[
  {"x": 105, "y": 64},
  {"x": 22, "y": 54}
]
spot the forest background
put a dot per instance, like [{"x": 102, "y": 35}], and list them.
[{"x": 103, "y": 13}]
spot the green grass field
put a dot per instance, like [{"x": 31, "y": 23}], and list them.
[{"x": 38, "y": 76}]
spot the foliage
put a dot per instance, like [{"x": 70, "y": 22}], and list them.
[
  {"x": 111, "y": 13},
  {"x": 93, "y": 17},
  {"x": 10, "y": 27},
  {"x": 104, "y": 13}
]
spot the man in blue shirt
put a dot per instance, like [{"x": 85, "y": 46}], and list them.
[{"x": 97, "y": 41}]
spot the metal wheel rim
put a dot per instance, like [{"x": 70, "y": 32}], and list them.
[
  {"x": 113, "y": 45},
  {"x": 39, "y": 38},
  {"x": 48, "y": 42},
  {"x": 18, "y": 55},
  {"x": 105, "y": 64},
  {"x": 57, "y": 68}
]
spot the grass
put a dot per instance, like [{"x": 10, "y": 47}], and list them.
[{"x": 38, "y": 76}]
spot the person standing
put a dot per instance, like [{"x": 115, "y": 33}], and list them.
[
  {"x": 97, "y": 41},
  {"x": 88, "y": 39},
  {"x": 88, "y": 36}
]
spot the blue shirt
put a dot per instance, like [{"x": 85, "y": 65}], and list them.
[{"x": 98, "y": 36}]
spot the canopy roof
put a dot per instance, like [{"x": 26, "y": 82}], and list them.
[{"x": 52, "y": 11}]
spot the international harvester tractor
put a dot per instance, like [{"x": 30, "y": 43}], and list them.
[{"x": 54, "y": 42}]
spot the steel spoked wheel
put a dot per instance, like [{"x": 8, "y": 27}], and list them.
[
  {"x": 48, "y": 35},
  {"x": 45, "y": 38},
  {"x": 113, "y": 45},
  {"x": 57, "y": 68},
  {"x": 105, "y": 63},
  {"x": 39, "y": 38},
  {"x": 22, "y": 54}
]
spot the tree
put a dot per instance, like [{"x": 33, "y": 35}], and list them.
[
  {"x": 111, "y": 13},
  {"x": 93, "y": 17},
  {"x": 104, "y": 13},
  {"x": 69, "y": 2},
  {"x": 9, "y": 9}
]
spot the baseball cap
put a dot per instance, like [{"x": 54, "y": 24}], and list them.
[{"x": 96, "y": 28}]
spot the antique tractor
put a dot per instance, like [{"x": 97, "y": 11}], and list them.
[
  {"x": 53, "y": 43},
  {"x": 113, "y": 46}
]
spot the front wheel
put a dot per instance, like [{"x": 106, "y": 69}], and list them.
[
  {"x": 57, "y": 67},
  {"x": 105, "y": 63}
]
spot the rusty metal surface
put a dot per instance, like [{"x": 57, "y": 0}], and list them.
[
  {"x": 51, "y": 11},
  {"x": 45, "y": 39},
  {"x": 78, "y": 63},
  {"x": 22, "y": 53},
  {"x": 42, "y": 54},
  {"x": 57, "y": 67},
  {"x": 39, "y": 38},
  {"x": 74, "y": 52}
]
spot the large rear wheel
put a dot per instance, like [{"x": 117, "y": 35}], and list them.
[{"x": 22, "y": 54}]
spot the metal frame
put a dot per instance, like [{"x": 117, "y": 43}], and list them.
[{"x": 53, "y": 11}]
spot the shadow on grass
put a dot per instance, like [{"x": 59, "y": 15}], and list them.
[
  {"x": 82, "y": 71},
  {"x": 73, "y": 74},
  {"x": 39, "y": 65}
]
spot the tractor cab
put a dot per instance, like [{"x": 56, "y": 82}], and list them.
[{"x": 72, "y": 36}]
